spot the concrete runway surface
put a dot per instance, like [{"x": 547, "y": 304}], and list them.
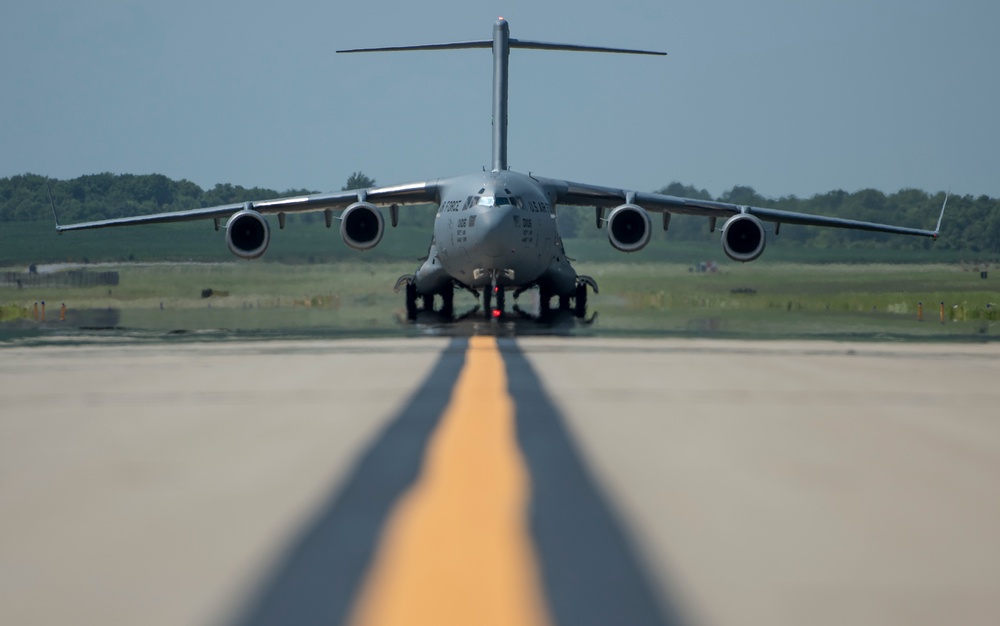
[{"x": 530, "y": 480}]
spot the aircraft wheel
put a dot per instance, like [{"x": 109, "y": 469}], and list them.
[
  {"x": 544, "y": 302},
  {"x": 488, "y": 302},
  {"x": 500, "y": 299},
  {"x": 411, "y": 301},
  {"x": 580, "y": 301},
  {"x": 448, "y": 301}
]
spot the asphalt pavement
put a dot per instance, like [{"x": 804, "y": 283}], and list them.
[{"x": 639, "y": 481}]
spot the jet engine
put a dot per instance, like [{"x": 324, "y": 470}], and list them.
[
  {"x": 743, "y": 238},
  {"x": 629, "y": 228},
  {"x": 247, "y": 234},
  {"x": 361, "y": 226}
]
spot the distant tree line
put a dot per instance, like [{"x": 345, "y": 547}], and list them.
[
  {"x": 103, "y": 196},
  {"x": 971, "y": 224}
]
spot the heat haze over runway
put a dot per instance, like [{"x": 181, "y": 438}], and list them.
[{"x": 539, "y": 480}]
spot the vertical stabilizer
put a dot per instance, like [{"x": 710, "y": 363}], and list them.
[{"x": 501, "y": 73}]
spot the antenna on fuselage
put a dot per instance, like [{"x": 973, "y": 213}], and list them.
[{"x": 501, "y": 45}]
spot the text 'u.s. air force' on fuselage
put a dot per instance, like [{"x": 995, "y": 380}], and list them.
[{"x": 496, "y": 231}]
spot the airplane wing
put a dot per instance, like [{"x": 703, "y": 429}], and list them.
[
  {"x": 412, "y": 193},
  {"x": 578, "y": 194}
]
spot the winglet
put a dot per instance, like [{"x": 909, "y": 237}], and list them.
[
  {"x": 937, "y": 229},
  {"x": 53, "y": 205}
]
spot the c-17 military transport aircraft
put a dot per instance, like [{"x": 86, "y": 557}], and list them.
[{"x": 496, "y": 230}]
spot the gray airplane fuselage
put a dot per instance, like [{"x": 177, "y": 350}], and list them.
[{"x": 495, "y": 228}]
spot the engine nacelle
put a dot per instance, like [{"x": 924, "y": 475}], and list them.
[
  {"x": 743, "y": 238},
  {"x": 247, "y": 234},
  {"x": 361, "y": 226},
  {"x": 629, "y": 228}
]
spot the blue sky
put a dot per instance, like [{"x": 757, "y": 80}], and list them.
[{"x": 788, "y": 97}]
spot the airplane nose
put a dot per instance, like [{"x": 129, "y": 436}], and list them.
[{"x": 494, "y": 233}]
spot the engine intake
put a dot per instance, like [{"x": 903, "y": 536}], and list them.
[
  {"x": 629, "y": 228},
  {"x": 743, "y": 238},
  {"x": 247, "y": 234},
  {"x": 361, "y": 226}
]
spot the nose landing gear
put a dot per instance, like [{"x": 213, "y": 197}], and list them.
[{"x": 495, "y": 296}]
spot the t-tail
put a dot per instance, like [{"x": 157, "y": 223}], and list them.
[{"x": 501, "y": 45}]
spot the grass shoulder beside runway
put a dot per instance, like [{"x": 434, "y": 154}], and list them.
[{"x": 764, "y": 297}]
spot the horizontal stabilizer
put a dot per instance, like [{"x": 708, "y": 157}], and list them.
[
  {"x": 459, "y": 45},
  {"x": 541, "y": 45},
  {"x": 514, "y": 43}
]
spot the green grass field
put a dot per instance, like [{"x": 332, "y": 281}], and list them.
[
  {"x": 772, "y": 300},
  {"x": 776, "y": 300}
]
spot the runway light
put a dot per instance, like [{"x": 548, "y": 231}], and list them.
[{"x": 496, "y": 313}]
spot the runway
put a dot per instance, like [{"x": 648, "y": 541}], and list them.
[{"x": 544, "y": 480}]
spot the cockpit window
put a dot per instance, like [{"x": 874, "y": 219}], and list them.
[{"x": 497, "y": 201}]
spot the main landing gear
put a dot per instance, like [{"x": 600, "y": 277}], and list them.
[
  {"x": 447, "y": 309},
  {"x": 574, "y": 301}
]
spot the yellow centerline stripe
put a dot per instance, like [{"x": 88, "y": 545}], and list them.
[{"x": 456, "y": 548}]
